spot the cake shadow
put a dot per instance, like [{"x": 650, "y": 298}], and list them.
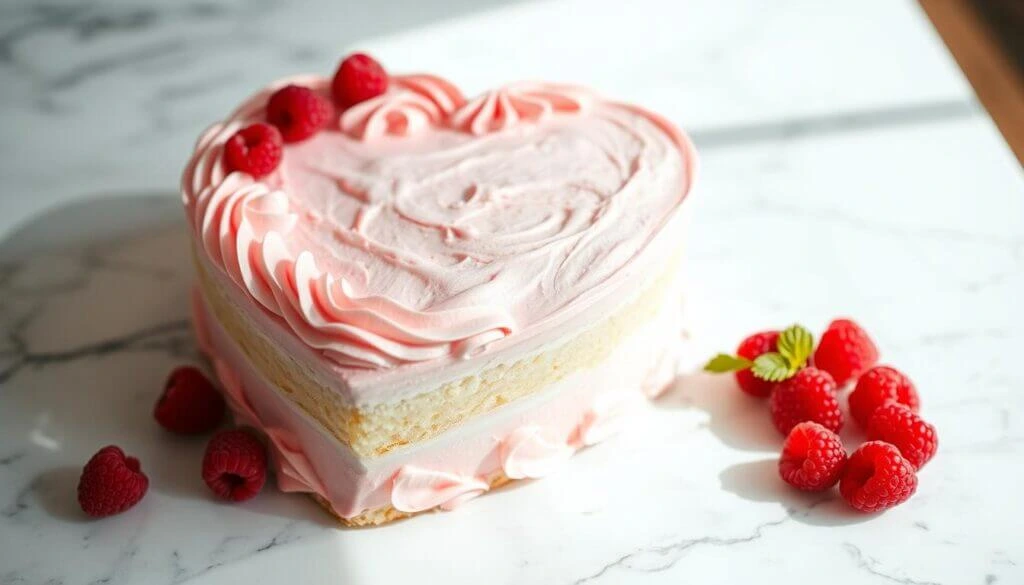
[
  {"x": 738, "y": 420},
  {"x": 759, "y": 481},
  {"x": 95, "y": 301}
]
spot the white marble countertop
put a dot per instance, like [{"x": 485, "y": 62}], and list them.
[{"x": 847, "y": 169}]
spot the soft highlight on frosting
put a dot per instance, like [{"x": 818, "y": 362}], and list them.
[
  {"x": 526, "y": 453},
  {"x": 424, "y": 227},
  {"x": 415, "y": 489}
]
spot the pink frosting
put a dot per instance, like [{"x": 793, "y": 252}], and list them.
[
  {"x": 423, "y": 227},
  {"x": 525, "y": 453},
  {"x": 415, "y": 489},
  {"x": 604, "y": 418},
  {"x": 526, "y": 442},
  {"x": 504, "y": 108},
  {"x": 415, "y": 104}
]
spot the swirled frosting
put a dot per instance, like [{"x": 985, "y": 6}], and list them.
[
  {"x": 423, "y": 226},
  {"x": 415, "y": 489},
  {"x": 527, "y": 453}
]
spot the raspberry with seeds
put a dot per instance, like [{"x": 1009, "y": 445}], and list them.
[
  {"x": 896, "y": 424},
  {"x": 298, "y": 112},
  {"x": 359, "y": 78},
  {"x": 750, "y": 348},
  {"x": 810, "y": 395},
  {"x": 812, "y": 458},
  {"x": 878, "y": 386},
  {"x": 235, "y": 465},
  {"x": 190, "y": 404},
  {"x": 256, "y": 149},
  {"x": 111, "y": 483},
  {"x": 877, "y": 477},
  {"x": 845, "y": 351}
]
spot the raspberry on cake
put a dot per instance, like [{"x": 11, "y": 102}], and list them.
[
  {"x": 430, "y": 295},
  {"x": 298, "y": 112}
]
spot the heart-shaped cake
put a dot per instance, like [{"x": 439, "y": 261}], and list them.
[{"x": 417, "y": 296}]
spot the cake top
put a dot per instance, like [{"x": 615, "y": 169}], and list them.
[{"x": 416, "y": 224}]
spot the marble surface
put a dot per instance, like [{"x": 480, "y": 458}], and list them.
[{"x": 847, "y": 169}]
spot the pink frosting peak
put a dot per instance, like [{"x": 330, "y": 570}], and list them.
[
  {"x": 421, "y": 227},
  {"x": 414, "y": 104},
  {"x": 503, "y": 108}
]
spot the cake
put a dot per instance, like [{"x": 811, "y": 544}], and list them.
[{"x": 429, "y": 295}]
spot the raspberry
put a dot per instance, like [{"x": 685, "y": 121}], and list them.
[
  {"x": 877, "y": 477},
  {"x": 878, "y": 386},
  {"x": 358, "y": 79},
  {"x": 111, "y": 483},
  {"x": 750, "y": 348},
  {"x": 255, "y": 150},
  {"x": 235, "y": 465},
  {"x": 298, "y": 112},
  {"x": 190, "y": 404},
  {"x": 813, "y": 458},
  {"x": 810, "y": 395},
  {"x": 845, "y": 351},
  {"x": 896, "y": 424}
]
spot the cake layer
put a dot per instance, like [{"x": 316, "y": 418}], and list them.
[
  {"x": 425, "y": 230},
  {"x": 525, "y": 439},
  {"x": 376, "y": 429}
]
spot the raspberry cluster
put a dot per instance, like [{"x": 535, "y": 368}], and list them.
[
  {"x": 803, "y": 384},
  {"x": 234, "y": 466},
  {"x": 296, "y": 113}
]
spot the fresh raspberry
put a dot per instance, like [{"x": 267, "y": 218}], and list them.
[
  {"x": 878, "y": 386},
  {"x": 813, "y": 458},
  {"x": 845, "y": 351},
  {"x": 255, "y": 149},
  {"x": 298, "y": 112},
  {"x": 896, "y": 424},
  {"x": 111, "y": 483},
  {"x": 750, "y": 348},
  {"x": 190, "y": 404},
  {"x": 877, "y": 477},
  {"x": 358, "y": 79},
  {"x": 235, "y": 465},
  {"x": 810, "y": 395}
]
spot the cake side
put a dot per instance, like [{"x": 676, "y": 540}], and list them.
[
  {"x": 377, "y": 429},
  {"x": 528, "y": 438}
]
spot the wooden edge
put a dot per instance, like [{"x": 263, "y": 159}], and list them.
[{"x": 998, "y": 83}]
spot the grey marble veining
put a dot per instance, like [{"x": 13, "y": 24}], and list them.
[{"x": 847, "y": 169}]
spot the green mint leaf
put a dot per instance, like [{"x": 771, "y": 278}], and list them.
[
  {"x": 722, "y": 363},
  {"x": 772, "y": 367},
  {"x": 796, "y": 344}
]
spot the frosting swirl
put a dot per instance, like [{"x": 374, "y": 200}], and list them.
[
  {"x": 503, "y": 108},
  {"x": 415, "y": 489},
  {"x": 424, "y": 227},
  {"x": 414, "y": 103}
]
